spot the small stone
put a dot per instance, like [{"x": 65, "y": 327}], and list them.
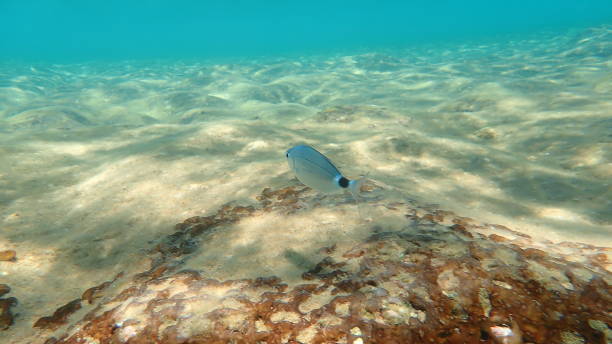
[
  {"x": 355, "y": 331},
  {"x": 8, "y": 256}
]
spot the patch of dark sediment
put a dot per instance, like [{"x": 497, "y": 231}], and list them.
[{"x": 439, "y": 278}]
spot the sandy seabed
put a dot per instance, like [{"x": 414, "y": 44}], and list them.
[{"x": 98, "y": 162}]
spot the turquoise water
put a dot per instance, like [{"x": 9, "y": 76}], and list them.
[{"x": 78, "y": 31}]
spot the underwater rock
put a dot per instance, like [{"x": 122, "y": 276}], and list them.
[
  {"x": 8, "y": 256},
  {"x": 285, "y": 199},
  {"x": 444, "y": 279},
  {"x": 6, "y": 317},
  {"x": 59, "y": 317},
  {"x": 93, "y": 293},
  {"x": 4, "y": 289}
]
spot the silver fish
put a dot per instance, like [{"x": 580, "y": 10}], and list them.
[{"x": 316, "y": 171}]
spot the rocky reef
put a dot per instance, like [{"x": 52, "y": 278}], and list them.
[{"x": 441, "y": 278}]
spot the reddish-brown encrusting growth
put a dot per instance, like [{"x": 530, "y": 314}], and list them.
[
  {"x": 442, "y": 279},
  {"x": 59, "y": 317}
]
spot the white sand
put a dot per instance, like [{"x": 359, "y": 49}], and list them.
[{"x": 97, "y": 161}]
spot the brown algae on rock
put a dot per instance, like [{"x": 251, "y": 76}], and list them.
[
  {"x": 6, "y": 315},
  {"x": 8, "y": 256},
  {"x": 442, "y": 283}
]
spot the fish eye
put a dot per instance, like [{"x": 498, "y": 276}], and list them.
[{"x": 287, "y": 154}]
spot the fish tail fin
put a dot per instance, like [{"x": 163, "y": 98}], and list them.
[{"x": 355, "y": 187}]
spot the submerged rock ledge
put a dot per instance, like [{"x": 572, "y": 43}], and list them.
[{"x": 442, "y": 279}]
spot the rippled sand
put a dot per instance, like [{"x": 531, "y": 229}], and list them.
[{"x": 99, "y": 160}]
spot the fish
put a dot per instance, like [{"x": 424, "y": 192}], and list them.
[{"x": 315, "y": 170}]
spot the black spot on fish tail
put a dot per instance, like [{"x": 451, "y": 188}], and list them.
[{"x": 343, "y": 182}]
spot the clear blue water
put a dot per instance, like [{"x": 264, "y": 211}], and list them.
[{"x": 76, "y": 31}]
